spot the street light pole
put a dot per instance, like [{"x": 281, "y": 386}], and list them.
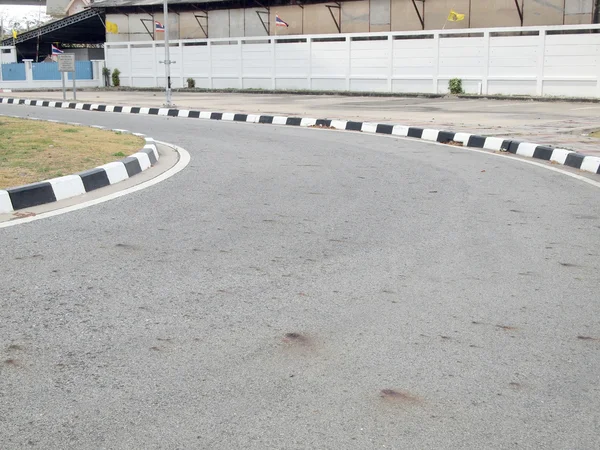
[{"x": 167, "y": 58}]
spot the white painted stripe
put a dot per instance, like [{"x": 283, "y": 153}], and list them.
[
  {"x": 65, "y": 105},
  {"x": 93, "y": 106},
  {"x": 526, "y": 149},
  {"x": 28, "y": 102},
  {"x": 253, "y": 118},
  {"x": 126, "y": 109},
  {"x": 119, "y": 130},
  {"x": 307, "y": 122},
  {"x": 163, "y": 112},
  {"x": 205, "y": 114},
  {"x": 115, "y": 172},
  {"x": 493, "y": 143},
  {"x": 338, "y": 124},
  {"x": 5, "y": 100},
  {"x": 183, "y": 113},
  {"x": 462, "y": 137},
  {"x": 143, "y": 159},
  {"x": 51, "y": 104},
  {"x": 430, "y": 135},
  {"x": 227, "y": 116},
  {"x": 142, "y": 135},
  {"x": 590, "y": 164},
  {"x": 184, "y": 160},
  {"x": 5, "y": 203},
  {"x": 110, "y": 108},
  {"x": 279, "y": 120},
  {"x": 78, "y": 105},
  {"x": 98, "y": 126},
  {"x": 149, "y": 140},
  {"x": 154, "y": 150},
  {"x": 369, "y": 127},
  {"x": 559, "y": 155},
  {"x": 67, "y": 187},
  {"x": 400, "y": 130},
  {"x": 144, "y": 110}
]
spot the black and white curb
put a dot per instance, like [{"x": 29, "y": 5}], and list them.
[
  {"x": 61, "y": 188},
  {"x": 527, "y": 149}
]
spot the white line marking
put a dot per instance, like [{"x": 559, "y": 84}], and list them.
[
  {"x": 184, "y": 159},
  {"x": 586, "y": 107}
]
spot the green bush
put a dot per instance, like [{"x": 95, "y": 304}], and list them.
[
  {"x": 106, "y": 75},
  {"x": 115, "y": 77},
  {"x": 455, "y": 86},
  {"x": 191, "y": 83}
]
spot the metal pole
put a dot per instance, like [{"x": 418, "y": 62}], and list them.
[
  {"x": 167, "y": 58},
  {"x": 62, "y": 77},
  {"x": 74, "y": 88}
]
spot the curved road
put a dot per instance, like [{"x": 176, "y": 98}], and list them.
[{"x": 296, "y": 289}]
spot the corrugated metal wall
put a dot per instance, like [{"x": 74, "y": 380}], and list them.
[{"x": 354, "y": 17}]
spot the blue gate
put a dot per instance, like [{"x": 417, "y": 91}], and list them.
[
  {"x": 13, "y": 72},
  {"x": 49, "y": 71}
]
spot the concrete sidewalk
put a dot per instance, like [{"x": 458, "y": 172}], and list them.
[{"x": 560, "y": 124}]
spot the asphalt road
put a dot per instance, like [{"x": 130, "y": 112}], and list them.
[{"x": 306, "y": 289}]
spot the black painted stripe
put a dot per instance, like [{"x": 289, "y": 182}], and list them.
[
  {"x": 353, "y": 126},
  {"x": 87, "y": 106},
  {"x": 173, "y": 113},
  {"x": 415, "y": 132},
  {"x": 324, "y": 122},
  {"x": 240, "y": 117},
  {"x": 150, "y": 153},
  {"x": 476, "y": 141},
  {"x": 31, "y": 195},
  {"x": 216, "y": 116},
  {"x": 445, "y": 136},
  {"x": 295, "y": 121},
  {"x": 21, "y": 101},
  {"x": 33, "y": 102},
  {"x": 384, "y": 129},
  {"x": 135, "y": 110},
  {"x": 265, "y": 119},
  {"x": 72, "y": 105},
  {"x": 194, "y": 114},
  {"x": 94, "y": 179},
  {"x": 118, "y": 109},
  {"x": 101, "y": 108},
  {"x": 543, "y": 152},
  {"x": 58, "y": 105},
  {"x": 11, "y": 100},
  {"x": 132, "y": 165},
  {"x": 153, "y": 111},
  {"x": 574, "y": 160},
  {"x": 510, "y": 146},
  {"x": 45, "y": 103}
]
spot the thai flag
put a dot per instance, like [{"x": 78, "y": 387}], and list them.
[
  {"x": 279, "y": 22},
  {"x": 159, "y": 27},
  {"x": 56, "y": 50}
]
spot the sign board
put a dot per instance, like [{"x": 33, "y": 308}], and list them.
[{"x": 66, "y": 62}]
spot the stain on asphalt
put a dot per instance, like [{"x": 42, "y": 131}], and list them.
[
  {"x": 506, "y": 327},
  {"x": 564, "y": 264},
  {"x": 297, "y": 339},
  {"x": 588, "y": 338},
  {"x": 126, "y": 246},
  {"x": 400, "y": 397}
]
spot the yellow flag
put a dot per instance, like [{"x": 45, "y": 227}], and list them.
[
  {"x": 14, "y": 34},
  {"x": 112, "y": 27},
  {"x": 455, "y": 17}
]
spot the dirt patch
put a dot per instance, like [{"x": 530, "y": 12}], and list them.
[{"x": 33, "y": 151}]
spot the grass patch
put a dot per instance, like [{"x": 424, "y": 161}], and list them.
[{"x": 33, "y": 151}]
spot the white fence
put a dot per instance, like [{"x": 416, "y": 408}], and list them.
[{"x": 555, "y": 61}]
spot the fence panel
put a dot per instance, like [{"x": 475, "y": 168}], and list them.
[
  {"x": 555, "y": 60},
  {"x": 13, "y": 72}
]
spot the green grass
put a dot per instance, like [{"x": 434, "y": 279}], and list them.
[{"x": 33, "y": 151}]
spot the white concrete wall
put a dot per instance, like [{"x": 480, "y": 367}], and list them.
[
  {"x": 545, "y": 61},
  {"x": 8, "y": 55}
]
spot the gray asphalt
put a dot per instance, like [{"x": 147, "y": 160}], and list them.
[{"x": 306, "y": 289}]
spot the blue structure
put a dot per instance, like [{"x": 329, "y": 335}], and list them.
[
  {"x": 49, "y": 71},
  {"x": 14, "y": 72}
]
